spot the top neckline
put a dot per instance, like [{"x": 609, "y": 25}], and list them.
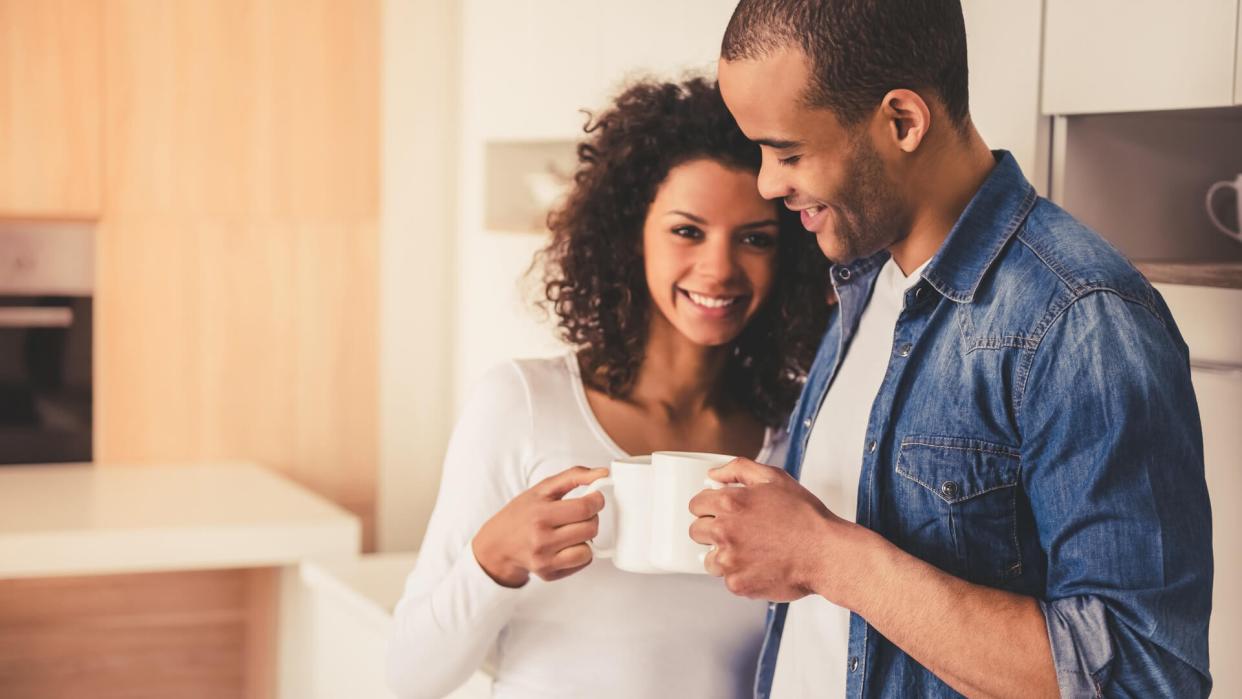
[{"x": 588, "y": 415}]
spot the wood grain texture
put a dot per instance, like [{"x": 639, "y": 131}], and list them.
[
  {"x": 219, "y": 341},
  {"x": 238, "y": 257},
  {"x": 259, "y": 108},
  {"x": 134, "y": 636},
  {"x": 50, "y": 108},
  {"x": 1225, "y": 275}
]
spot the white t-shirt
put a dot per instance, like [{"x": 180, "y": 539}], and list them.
[
  {"x": 812, "y": 657},
  {"x": 601, "y": 632}
]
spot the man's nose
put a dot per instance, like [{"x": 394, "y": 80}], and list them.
[{"x": 773, "y": 182}]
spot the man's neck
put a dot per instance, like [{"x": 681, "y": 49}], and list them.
[{"x": 949, "y": 179}]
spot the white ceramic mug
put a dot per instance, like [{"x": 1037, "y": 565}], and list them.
[
  {"x": 679, "y": 476},
  {"x": 1236, "y": 186},
  {"x": 625, "y": 522}
]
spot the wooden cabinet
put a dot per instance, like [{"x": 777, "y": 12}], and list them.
[
  {"x": 237, "y": 256},
  {"x": 50, "y": 118},
  {"x": 1139, "y": 55}
]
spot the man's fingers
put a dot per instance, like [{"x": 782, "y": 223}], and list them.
[
  {"x": 702, "y": 530},
  {"x": 710, "y": 564},
  {"x": 745, "y": 472},
  {"x": 557, "y": 486}
]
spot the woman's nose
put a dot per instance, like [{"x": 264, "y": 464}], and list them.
[{"x": 717, "y": 258}]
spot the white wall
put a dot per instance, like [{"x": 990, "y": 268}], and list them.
[
  {"x": 419, "y": 160},
  {"x": 528, "y": 66}
]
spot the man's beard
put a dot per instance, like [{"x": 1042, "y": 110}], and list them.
[{"x": 870, "y": 213}]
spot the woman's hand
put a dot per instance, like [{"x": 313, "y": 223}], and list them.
[{"x": 538, "y": 532}]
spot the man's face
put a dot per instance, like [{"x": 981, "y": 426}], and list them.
[{"x": 832, "y": 174}]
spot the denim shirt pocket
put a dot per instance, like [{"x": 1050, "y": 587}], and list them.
[{"x": 958, "y": 499}]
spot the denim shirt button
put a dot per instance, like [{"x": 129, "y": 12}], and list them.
[
  {"x": 844, "y": 274},
  {"x": 948, "y": 489},
  {"x": 871, "y": 447},
  {"x": 854, "y": 664},
  {"x": 904, "y": 350},
  {"x": 807, "y": 423}
]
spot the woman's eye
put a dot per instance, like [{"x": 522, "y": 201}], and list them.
[
  {"x": 791, "y": 160},
  {"x": 760, "y": 240},
  {"x": 687, "y": 232}
]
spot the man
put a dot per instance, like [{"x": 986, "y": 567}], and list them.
[{"x": 996, "y": 464}]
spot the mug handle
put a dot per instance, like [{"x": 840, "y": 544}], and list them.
[
  {"x": 1212, "y": 214},
  {"x": 604, "y": 485}
]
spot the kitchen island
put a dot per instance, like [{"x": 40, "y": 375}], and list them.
[{"x": 120, "y": 580}]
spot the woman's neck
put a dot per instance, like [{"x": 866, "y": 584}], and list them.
[{"x": 679, "y": 379}]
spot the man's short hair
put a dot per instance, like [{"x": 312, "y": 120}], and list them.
[{"x": 859, "y": 50}]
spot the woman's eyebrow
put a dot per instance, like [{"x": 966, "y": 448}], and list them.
[
  {"x": 688, "y": 215},
  {"x": 760, "y": 224}
]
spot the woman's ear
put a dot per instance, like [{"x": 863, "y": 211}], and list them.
[{"x": 907, "y": 119}]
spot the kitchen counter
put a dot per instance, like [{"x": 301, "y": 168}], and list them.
[{"x": 82, "y": 519}]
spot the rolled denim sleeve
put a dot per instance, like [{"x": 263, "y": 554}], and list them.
[{"x": 1113, "y": 466}]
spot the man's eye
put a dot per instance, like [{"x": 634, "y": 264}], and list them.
[
  {"x": 791, "y": 160},
  {"x": 687, "y": 232}
]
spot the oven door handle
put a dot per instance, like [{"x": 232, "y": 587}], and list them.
[{"x": 35, "y": 317}]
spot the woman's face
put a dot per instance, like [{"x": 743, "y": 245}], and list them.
[{"x": 709, "y": 249}]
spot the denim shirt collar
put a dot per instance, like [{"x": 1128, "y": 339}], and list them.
[{"x": 975, "y": 240}]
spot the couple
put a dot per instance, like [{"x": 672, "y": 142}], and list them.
[{"x": 992, "y": 482}]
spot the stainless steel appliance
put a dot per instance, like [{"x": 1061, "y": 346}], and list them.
[{"x": 46, "y": 289}]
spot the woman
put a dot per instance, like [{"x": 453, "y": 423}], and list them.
[{"x": 694, "y": 307}]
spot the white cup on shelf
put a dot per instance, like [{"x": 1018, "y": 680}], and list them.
[{"x": 1236, "y": 186}]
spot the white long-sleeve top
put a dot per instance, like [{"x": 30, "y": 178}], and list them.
[{"x": 601, "y": 632}]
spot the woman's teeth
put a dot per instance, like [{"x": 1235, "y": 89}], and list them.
[
  {"x": 711, "y": 301},
  {"x": 813, "y": 211}
]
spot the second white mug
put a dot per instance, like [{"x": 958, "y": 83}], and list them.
[{"x": 679, "y": 476}]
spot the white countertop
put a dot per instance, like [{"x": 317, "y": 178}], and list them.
[{"x": 83, "y": 519}]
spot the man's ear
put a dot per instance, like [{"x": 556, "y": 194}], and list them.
[{"x": 907, "y": 119}]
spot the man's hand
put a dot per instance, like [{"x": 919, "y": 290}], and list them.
[{"x": 772, "y": 539}]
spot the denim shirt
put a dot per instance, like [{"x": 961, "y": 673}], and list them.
[{"x": 1036, "y": 431}]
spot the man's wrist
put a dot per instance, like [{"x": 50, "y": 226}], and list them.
[{"x": 848, "y": 563}]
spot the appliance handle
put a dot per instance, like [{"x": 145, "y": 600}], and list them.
[{"x": 35, "y": 317}]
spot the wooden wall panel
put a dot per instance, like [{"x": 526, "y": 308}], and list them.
[
  {"x": 191, "y": 635},
  {"x": 264, "y": 108},
  {"x": 50, "y": 108},
  {"x": 237, "y": 266},
  {"x": 221, "y": 341}
]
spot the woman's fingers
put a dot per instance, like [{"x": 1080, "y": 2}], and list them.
[
  {"x": 562, "y": 512},
  {"x": 556, "y": 486},
  {"x": 566, "y": 562},
  {"x": 572, "y": 534}
]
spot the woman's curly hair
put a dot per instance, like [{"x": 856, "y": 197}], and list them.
[{"x": 594, "y": 277}]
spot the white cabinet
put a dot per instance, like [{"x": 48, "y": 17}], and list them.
[
  {"x": 336, "y": 617},
  {"x": 1003, "y": 46},
  {"x": 531, "y": 65},
  {"x": 1237, "y": 88},
  {"x": 1139, "y": 55}
]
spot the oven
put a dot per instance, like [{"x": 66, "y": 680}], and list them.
[{"x": 46, "y": 309}]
